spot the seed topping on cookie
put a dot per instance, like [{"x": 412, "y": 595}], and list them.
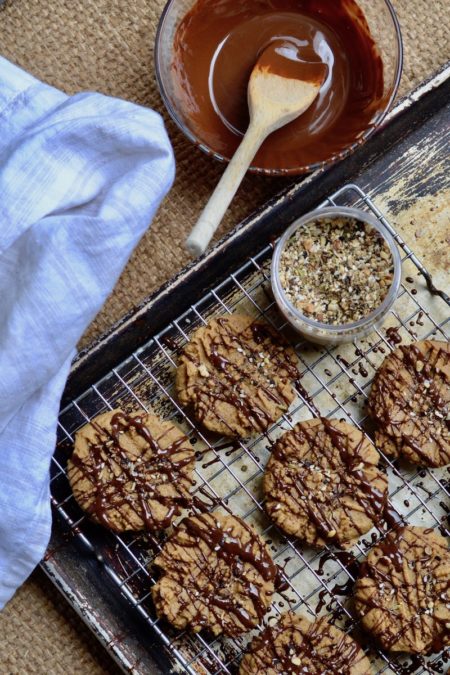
[
  {"x": 131, "y": 471},
  {"x": 410, "y": 403},
  {"x": 237, "y": 374},
  {"x": 403, "y": 591},
  {"x": 322, "y": 483},
  {"x": 216, "y": 573},
  {"x": 297, "y": 645}
]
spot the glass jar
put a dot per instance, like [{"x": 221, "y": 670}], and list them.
[{"x": 323, "y": 333}]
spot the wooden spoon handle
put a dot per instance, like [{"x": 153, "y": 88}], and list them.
[{"x": 226, "y": 188}]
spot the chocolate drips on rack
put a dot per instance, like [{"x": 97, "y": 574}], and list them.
[
  {"x": 128, "y": 485},
  {"x": 393, "y": 336},
  {"x": 308, "y": 399}
]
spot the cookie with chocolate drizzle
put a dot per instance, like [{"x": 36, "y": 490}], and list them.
[
  {"x": 131, "y": 471},
  {"x": 403, "y": 591},
  {"x": 217, "y": 574},
  {"x": 410, "y": 403},
  {"x": 237, "y": 374},
  {"x": 322, "y": 483},
  {"x": 296, "y": 645}
]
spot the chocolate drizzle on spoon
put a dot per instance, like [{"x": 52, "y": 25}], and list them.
[{"x": 217, "y": 44}]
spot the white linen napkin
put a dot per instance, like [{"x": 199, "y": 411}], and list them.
[{"x": 80, "y": 179}]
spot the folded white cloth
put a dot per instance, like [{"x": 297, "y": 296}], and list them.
[{"x": 80, "y": 179}]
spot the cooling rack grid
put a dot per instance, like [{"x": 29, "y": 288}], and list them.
[{"x": 335, "y": 383}]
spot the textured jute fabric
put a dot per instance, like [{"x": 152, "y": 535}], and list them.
[
  {"x": 42, "y": 635},
  {"x": 107, "y": 45}
]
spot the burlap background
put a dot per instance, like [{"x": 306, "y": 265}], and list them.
[{"x": 107, "y": 45}]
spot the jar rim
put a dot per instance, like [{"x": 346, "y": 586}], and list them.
[{"x": 320, "y": 214}]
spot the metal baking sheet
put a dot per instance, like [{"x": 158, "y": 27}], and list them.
[
  {"x": 336, "y": 380},
  {"x": 109, "y": 564}
]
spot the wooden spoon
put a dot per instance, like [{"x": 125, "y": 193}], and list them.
[{"x": 280, "y": 89}]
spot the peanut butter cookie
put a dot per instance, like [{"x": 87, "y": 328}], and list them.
[
  {"x": 403, "y": 591},
  {"x": 237, "y": 375},
  {"x": 410, "y": 403},
  {"x": 322, "y": 483},
  {"x": 296, "y": 645},
  {"x": 131, "y": 471},
  {"x": 217, "y": 574}
]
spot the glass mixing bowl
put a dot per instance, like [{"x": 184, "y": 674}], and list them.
[{"x": 384, "y": 28}]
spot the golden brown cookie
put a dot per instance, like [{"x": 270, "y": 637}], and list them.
[
  {"x": 386, "y": 444},
  {"x": 403, "y": 591},
  {"x": 217, "y": 574},
  {"x": 322, "y": 483},
  {"x": 410, "y": 403},
  {"x": 296, "y": 645},
  {"x": 237, "y": 374},
  {"x": 131, "y": 471}
]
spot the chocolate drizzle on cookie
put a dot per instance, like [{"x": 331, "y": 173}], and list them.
[
  {"x": 410, "y": 402},
  {"x": 128, "y": 477},
  {"x": 322, "y": 473},
  {"x": 217, "y": 574},
  {"x": 403, "y": 591},
  {"x": 296, "y": 645},
  {"x": 231, "y": 548},
  {"x": 237, "y": 373}
]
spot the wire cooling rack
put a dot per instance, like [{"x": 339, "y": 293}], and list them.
[{"x": 335, "y": 383}]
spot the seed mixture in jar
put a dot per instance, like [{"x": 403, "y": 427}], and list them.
[{"x": 336, "y": 270}]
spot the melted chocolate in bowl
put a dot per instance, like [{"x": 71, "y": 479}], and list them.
[{"x": 218, "y": 43}]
